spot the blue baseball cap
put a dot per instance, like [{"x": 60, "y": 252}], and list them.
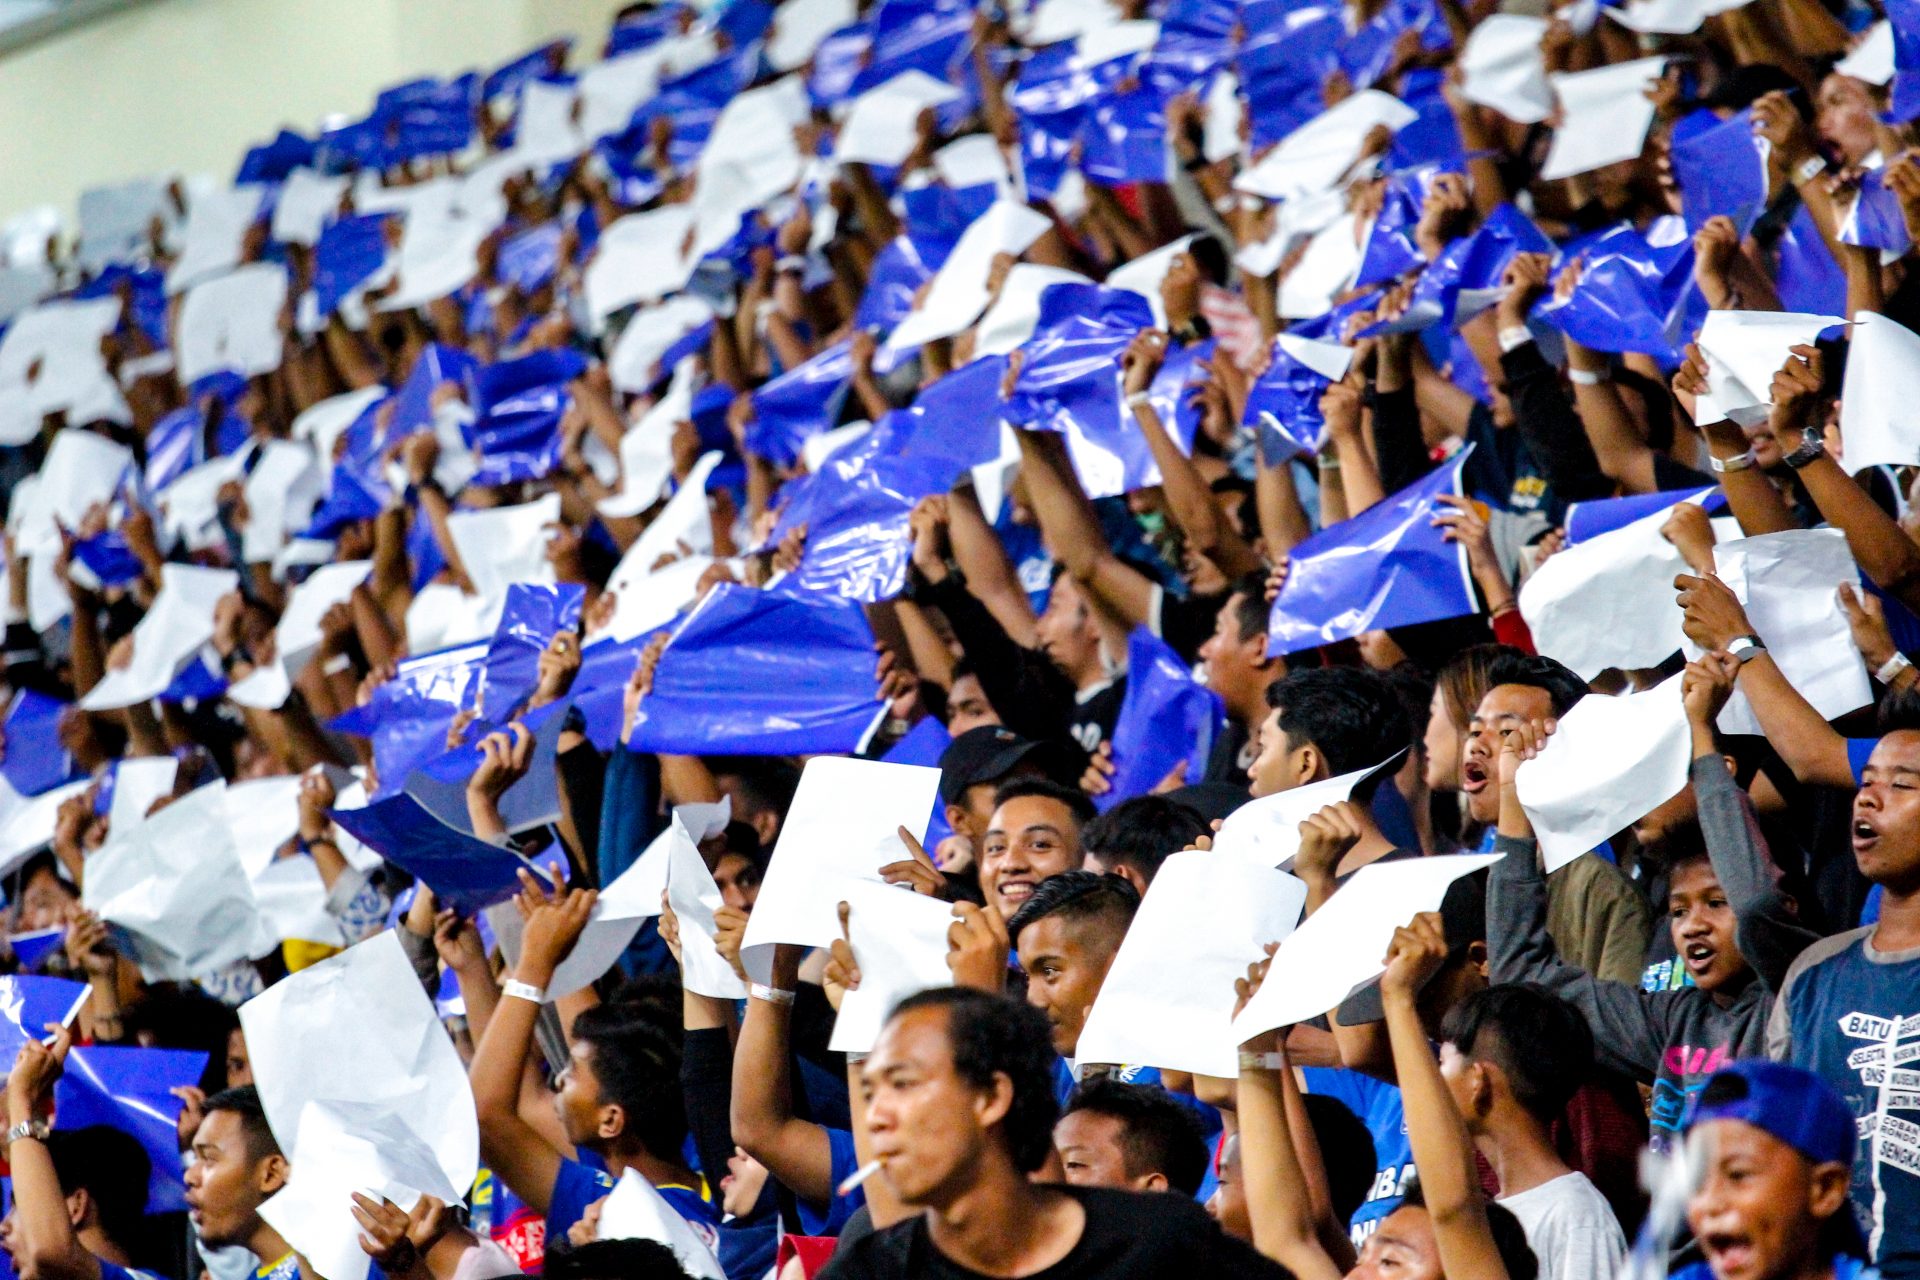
[{"x": 1789, "y": 1102}]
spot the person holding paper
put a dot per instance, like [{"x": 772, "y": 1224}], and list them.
[
  {"x": 78, "y": 1194},
  {"x": 959, "y": 1102},
  {"x": 1734, "y": 933},
  {"x": 1034, "y": 833},
  {"x": 619, "y": 1104},
  {"x": 1134, "y": 837}
]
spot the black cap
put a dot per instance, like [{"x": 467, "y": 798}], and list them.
[
  {"x": 988, "y": 754},
  {"x": 1463, "y": 916}
]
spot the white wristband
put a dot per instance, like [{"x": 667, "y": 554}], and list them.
[
  {"x": 1515, "y": 338},
  {"x": 1137, "y": 398},
  {"x": 1809, "y": 169},
  {"x": 772, "y": 995},
  {"x": 518, "y": 990},
  {"x": 1892, "y": 667},
  {"x": 1587, "y": 377},
  {"x": 1250, "y": 1061},
  {"x": 1738, "y": 462}
]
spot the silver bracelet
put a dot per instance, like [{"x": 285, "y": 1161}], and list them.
[{"x": 523, "y": 991}]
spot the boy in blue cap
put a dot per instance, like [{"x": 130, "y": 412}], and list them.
[{"x": 1772, "y": 1202}]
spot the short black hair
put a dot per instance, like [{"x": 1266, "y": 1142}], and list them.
[
  {"x": 1899, "y": 709},
  {"x": 1346, "y": 1151},
  {"x": 1351, "y": 715},
  {"x": 1563, "y": 687},
  {"x": 1143, "y": 832},
  {"x": 1253, "y": 611},
  {"x": 993, "y": 1035},
  {"x": 1072, "y": 797},
  {"x": 1158, "y": 1134},
  {"x": 1414, "y": 687},
  {"x": 244, "y": 1102},
  {"x": 111, "y": 1166},
  {"x": 1538, "y": 1040},
  {"x": 1077, "y": 895},
  {"x": 1509, "y": 1237},
  {"x": 624, "y": 1259},
  {"x": 638, "y": 1067},
  {"x": 766, "y": 783}
]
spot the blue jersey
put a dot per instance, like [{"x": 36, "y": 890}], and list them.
[
  {"x": 1377, "y": 1104},
  {"x": 284, "y": 1268},
  {"x": 828, "y": 1221},
  {"x": 581, "y": 1182},
  {"x": 1210, "y": 1122},
  {"x": 114, "y": 1271}
]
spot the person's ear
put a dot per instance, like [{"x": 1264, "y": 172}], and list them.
[
  {"x": 611, "y": 1121},
  {"x": 1308, "y": 765},
  {"x": 1131, "y": 876},
  {"x": 273, "y": 1173},
  {"x": 1733, "y": 766},
  {"x": 958, "y": 819},
  {"x": 1477, "y": 957},
  {"x": 766, "y": 825},
  {"x": 79, "y": 1205},
  {"x": 1827, "y": 1190},
  {"x": 991, "y": 1105},
  {"x": 1151, "y": 1182}
]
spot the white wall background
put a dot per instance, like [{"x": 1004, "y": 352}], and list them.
[{"x": 187, "y": 86}]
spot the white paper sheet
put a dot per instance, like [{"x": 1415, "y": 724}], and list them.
[
  {"x": 750, "y": 157},
  {"x": 899, "y": 941},
  {"x": 1267, "y": 830},
  {"x": 1313, "y": 157},
  {"x": 1220, "y": 136},
  {"x": 232, "y": 322},
  {"x": 171, "y": 634},
  {"x": 500, "y": 546},
  {"x": 883, "y": 123},
  {"x": 843, "y": 826},
  {"x": 1216, "y": 915},
  {"x": 645, "y": 600},
  {"x": 1330, "y": 360},
  {"x": 639, "y": 259},
  {"x": 1609, "y": 764},
  {"x": 1605, "y": 115},
  {"x": 266, "y": 688},
  {"x": 298, "y": 635},
  {"x": 217, "y": 223},
  {"x": 636, "y": 354},
  {"x": 974, "y": 161},
  {"x": 1144, "y": 274},
  {"x": 1871, "y": 59},
  {"x": 635, "y": 1210},
  {"x": 175, "y": 885},
  {"x": 817, "y": 449},
  {"x": 1878, "y": 395},
  {"x": 958, "y": 293},
  {"x": 114, "y": 220},
  {"x": 26, "y": 822},
  {"x": 50, "y": 360},
  {"x": 1504, "y": 69},
  {"x": 632, "y": 898},
  {"x": 1744, "y": 349},
  {"x": 1054, "y": 20},
  {"x": 407, "y": 1083},
  {"x": 326, "y": 422},
  {"x": 308, "y": 202},
  {"x": 283, "y": 488},
  {"x": 1010, "y": 320},
  {"x": 1789, "y": 583},
  {"x": 137, "y": 783},
  {"x": 546, "y": 132},
  {"x": 1324, "y": 270},
  {"x": 800, "y": 25},
  {"x": 1113, "y": 40},
  {"x": 695, "y": 897},
  {"x": 1344, "y": 944},
  {"x": 1608, "y": 601}
]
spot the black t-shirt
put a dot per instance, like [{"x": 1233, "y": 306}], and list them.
[
  {"x": 1091, "y": 722},
  {"x": 1128, "y": 1236}
]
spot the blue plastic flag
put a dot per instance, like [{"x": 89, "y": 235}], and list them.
[
  {"x": 273, "y": 161},
  {"x": 800, "y": 404},
  {"x": 509, "y": 77},
  {"x": 533, "y": 615},
  {"x": 1631, "y": 296},
  {"x": 1431, "y": 137},
  {"x": 440, "y": 784},
  {"x": 599, "y": 690},
  {"x": 1167, "y": 719},
  {"x": 349, "y": 252},
  {"x": 1283, "y": 405},
  {"x": 130, "y": 1089},
  {"x": 28, "y": 1005},
  {"x": 109, "y": 558},
  {"x": 1805, "y": 272},
  {"x": 34, "y": 760},
  {"x": 527, "y": 261},
  {"x": 916, "y": 35},
  {"x": 464, "y": 873},
  {"x": 896, "y": 276},
  {"x": 519, "y": 406},
  {"x": 1904, "y": 17},
  {"x": 32, "y": 947},
  {"x": 1070, "y": 384},
  {"x": 836, "y": 61},
  {"x": 1389, "y": 251},
  {"x": 428, "y": 117},
  {"x": 413, "y": 409},
  {"x": 1289, "y": 53},
  {"x": 1876, "y": 221},
  {"x": 756, "y": 673},
  {"x": 1386, "y": 567},
  {"x": 1603, "y": 515},
  {"x": 408, "y": 715},
  {"x": 1721, "y": 172},
  {"x": 1123, "y": 139}
]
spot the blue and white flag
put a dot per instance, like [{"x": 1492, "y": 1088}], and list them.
[
  {"x": 1603, "y": 515},
  {"x": 1386, "y": 567},
  {"x": 131, "y": 1089}
]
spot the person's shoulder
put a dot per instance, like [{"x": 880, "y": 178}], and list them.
[
  {"x": 885, "y": 1252},
  {"x": 1819, "y": 952}
]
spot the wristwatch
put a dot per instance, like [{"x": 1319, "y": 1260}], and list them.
[
  {"x": 1810, "y": 448},
  {"x": 35, "y": 1129},
  {"x": 1746, "y": 648}
]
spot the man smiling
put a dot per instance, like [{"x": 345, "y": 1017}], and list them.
[{"x": 1034, "y": 833}]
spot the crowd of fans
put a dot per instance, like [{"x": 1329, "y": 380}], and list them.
[{"x": 917, "y": 640}]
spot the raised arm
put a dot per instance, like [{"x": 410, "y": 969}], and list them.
[{"x": 795, "y": 1151}]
